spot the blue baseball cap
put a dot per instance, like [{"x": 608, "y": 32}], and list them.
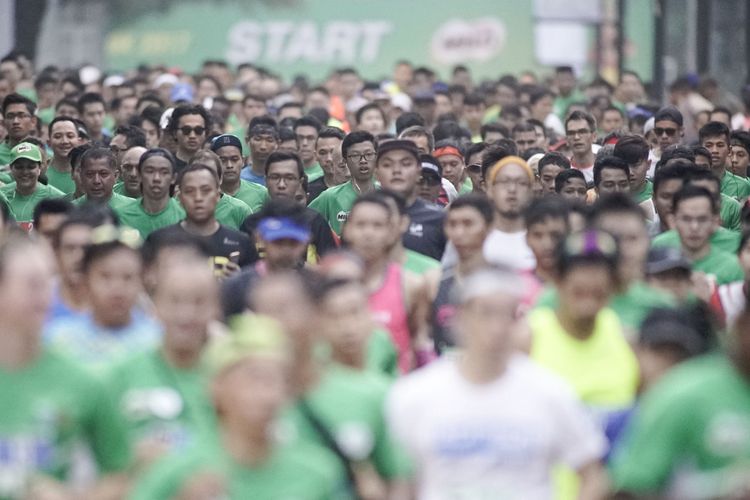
[
  {"x": 182, "y": 92},
  {"x": 225, "y": 140},
  {"x": 282, "y": 228}
]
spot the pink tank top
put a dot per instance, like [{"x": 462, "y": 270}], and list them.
[{"x": 388, "y": 307}]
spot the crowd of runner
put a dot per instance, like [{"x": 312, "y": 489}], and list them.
[{"x": 224, "y": 285}]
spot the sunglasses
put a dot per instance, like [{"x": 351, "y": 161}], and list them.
[
  {"x": 669, "y": 131},
  {"x": 198, "y": 130},
  {"x": 474, "y": 168}
]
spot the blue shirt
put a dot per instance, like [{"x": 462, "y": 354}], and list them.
[{"x": 250, "y": 176}]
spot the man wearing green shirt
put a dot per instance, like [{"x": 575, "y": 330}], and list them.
[
  {"x": 634, "y": 150},
  {"x": 25, "y": 165},
  {"x": 229, "y": 150},
  {"x": 63, "y": 137},
  {"x": 249, "y": 370},
  {"x": 331, "y": 160},
  {"x": 696, "y": 217},
  {"x": 306, "y": 130},
  {"x": 156, "y": 209},
  {"x": 263, "y": 139},
  {"x": 690, "y": 436},
  {"x": 98, "y": 174},
  {"x": 230, "y": 211},
  {"x": 161, "y": 392},
  {"x": 50, "y": 404},
  {"x": 359, "y": 150},
  {"x": 714, "y": 136},
  {"x": 730, "y": 211},
  {"x": 19, "y": 114},
  {"x": 129, "y": 184}
]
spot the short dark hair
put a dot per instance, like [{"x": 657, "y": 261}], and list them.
[
  {"x": 12, "y": 99},
  {"x": 279, "y": 156},
  {"x": 546, "y": 207},
  {"x": 565, "y": 176},
  {"x": 523, "y": 127},
  {"x": 702, "y": 174},
  {"x": 612, "y": 162},
  {"x": 196, "y": 167},
  {"x": 615, "y": 203},
  {"x": 89, "y": 214},
  {"x": 480, "y": 203},
  {"x": 713, "y": 129},
  {"x": 699, "y": 150},
  {"x": 367, "y": 107},
  {"x": 496, "y": 152},
  {"x": 538, "y": 94},
  {"x": 633, "y": 149},
  {"x": 331, "y": 133},
  {"x": 668, "y": 173},
  {"x": 185, "y": 110},
  {"x": 134, "y": 136},
  {"x": 418, "y": 130},
  {"x": 408, "y": 120},
  {"x": 152, "y": 98},
  {"x": 450, "y": 130},
  {"x": 675, "y": 151},
  {"x": 308, "y": 121},
  {"x": 90, "y": 98},
  {"x": 50, "y": 206},
  {"x": 614, "y": 108},
  {"x": 740, "y": 138},
  {"x": 164, "y": 153},
  {"x": 723, "y": 110},
  {"x": 97, "y": 153},
  {"x": 45, "y": 79},
  {"x": 67, "y": 101},
  {"x": 357, "y": 137},
  {"x": 553, "y": 158},
  {"x": 373, "y": 199},
  {"x": 537, "y": 124},
  {"x": 581, "y": 115},
  {"x": 493, "y": 127},
  {"x": 397, "y": 199},
  {"x": 59, "y": 119},
  {"x": 475, "y": 148},
  {"x": 689, "y": 192},
  {"x": 473, "y": 99}
]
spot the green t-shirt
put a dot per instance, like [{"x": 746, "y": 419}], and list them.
[
  {"x": 135, "y": 216},
  {"x": 691, "y": 429},
  {"x": 5, "y": 155},
  {"x": 730, "y": 213},
  {"x": 350, "y": 404},
  {"x": 735, "y": 186},
  {"x": 160, "y": 402},
  {"x": 23, "y": 206},
  {"x": 61, "y": 180},
  {"x": 725, "y": 267},
  {"x": 254, "y": 195},
  {"x": 419, "y": 264},
  {"x": 382, "y": 356},
  {"x": 631, "y": 306},
  {"x": 119, "y": 188},
  {"x": 466, "y": 186},
  {"x": 48, "y": 408},
  {"x": 314, "y": 172},
  {"x": 117, "y": 202},
  {"x": 723, "y": 238},
  {"x": 292, "y": 471},
  {"x": 335, "y": 203},
  {"x": 646, "y": 192},
  {"x": 232, "y": 212}
]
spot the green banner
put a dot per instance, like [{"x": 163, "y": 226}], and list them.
[{"x": 312, "y": 37}]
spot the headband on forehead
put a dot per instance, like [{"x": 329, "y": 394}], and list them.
[
  {"x": 447, "y": 150},
  {"x": 509, "y": 160}
]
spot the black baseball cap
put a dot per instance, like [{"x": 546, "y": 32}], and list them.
[{"x": 663, "y": 259}]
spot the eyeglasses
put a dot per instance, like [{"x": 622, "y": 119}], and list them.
[
  {"x": 518, "y": 183},
  {"x": 573, "y": 133},
  {"x": 661, "y": 131},
  {"x": 369, "y": 156},
  {"x": 12, "y": 116},
  {"x": 198, "y": 130},
  {"x": 288, "y": 179},
  {"x": 108, "y": 233},
  {"x": 474, "y": 168}
]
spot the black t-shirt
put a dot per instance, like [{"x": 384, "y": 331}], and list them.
[
  {"x": 322, "y": 240},
  {"x": 223, "y": 243},
  {"x": 315, "y": 188},
  {"x": 425, "y": 234}
]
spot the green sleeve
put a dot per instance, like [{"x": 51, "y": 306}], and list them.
[
  {"x": 320, "y": 205},
  {"x": 652, "y": 444},
  {"x": 164, "y": 479},
  {"x": 106, "y": 430}
]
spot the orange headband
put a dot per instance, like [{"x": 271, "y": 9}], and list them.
[
  {"x": 509, "y": 160},
  {"x": 447, "y": 150}
]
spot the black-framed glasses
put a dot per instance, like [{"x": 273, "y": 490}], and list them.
[
  {"x": 369, "y": 156},
  {"x": 198, "y": 130},
  {"x": 276, "y": 178},
  {"x": 21, "y": 116}
]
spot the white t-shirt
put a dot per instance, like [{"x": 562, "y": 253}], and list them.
[
  {"x": 491, "y": 441},
  {"x": 501, "y": 249}
]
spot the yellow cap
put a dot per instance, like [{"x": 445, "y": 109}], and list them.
[{"x": 509, "y": 160}]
